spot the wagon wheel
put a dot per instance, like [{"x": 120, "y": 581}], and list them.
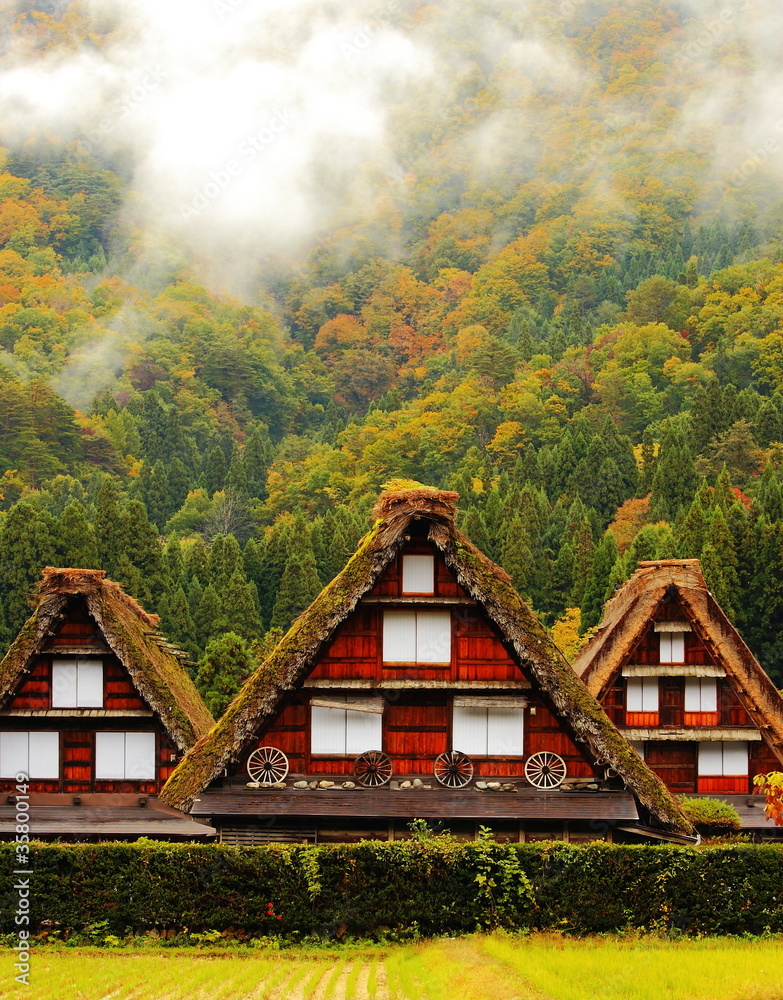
[
  {"x": 267, "y": 764},
  {"x": 372, "y": 768},
  {"x": 545, "y": 770},
  {"x": 453, "y": 769}
]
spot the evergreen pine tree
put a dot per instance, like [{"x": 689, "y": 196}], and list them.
[
  {"x": 215, "y": 470},
  {"x": 675, "y": 479},
  {"x": 474, "y": 527},
  {"x": 130, "y": 578},
  {"x": 257, "y": 456},
  {"x": 197, "y": 561},
  {"x": 708, "y": 415},
  {"x": 252, "y": 561},
  {"x": 76, "y": 545},
  {"x": 299, "y": 587},
  {"x": 562, "y": 584},
  {"x": 236, "y": 477},
  {"x": 494, "y": 520},
  {"x": 723, "y": 495},
  {"x": 175, "y": 564},
  {"x": 769, "y": 496},
  {"x": 768, "y": 424},
  {"x": 526, "y": 467},
  {"x": 621, "y": 570},
  {"x": 158, "y": 498},
  {"x": 275, "y": 551},
  {"x": 340, "y": 552},
  {"x": 194, "y": 593},
  {"x": 241, "y": 613},
  {"x": 109, "y": 527},
  {"x": 692, "y": 533},
  {"x": 226, "y": 664},
  {"x": 143, "y": 550},
  {"x": 596, "y": 594},
  {"x": 565, "y": 463},
  {"x": 608, "y": 491},
  {"x": 208, "y": 615},
  {"x": 225, "y": 557},
  {"x": 173, "y": 437},
  {"x": 177, "y": 623},
  {"x": 719, "y": 564},
  {"x": 517, "y": 559},
  {"x": 579, "y": 537},
  {"x": 643, "y": 547},
  {"x": 27, "y": 544},
  {"x": 179, "y": 480}
]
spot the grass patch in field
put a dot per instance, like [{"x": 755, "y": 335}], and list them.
[
  {"x": 494, "y": 967},
  {"x": 644, "y": 969}
]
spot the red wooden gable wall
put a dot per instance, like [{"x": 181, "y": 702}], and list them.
[{"x": 417, "y": 719}]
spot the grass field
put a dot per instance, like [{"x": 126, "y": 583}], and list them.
[{"x": 540, "y": 967}]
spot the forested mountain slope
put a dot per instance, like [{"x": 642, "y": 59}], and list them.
[{"x": 559, "y": 291}]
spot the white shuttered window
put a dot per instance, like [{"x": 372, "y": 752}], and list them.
[
  {"x": 495, "y": 732},
  {"x": 35, "y": 754},
  {"x": 416, "y": 637},
  {"x": 418, "y": 574},
  {"x": 642, "y": 694},
  {"x": 125, "y": 756},
  {"x": 701, "y": 694},
  {"x": 77, "y": 683},
  {"x": 342, "y": 731},
  {"x": 672, "y": 647},
  {"x": 723, "y": 759}
]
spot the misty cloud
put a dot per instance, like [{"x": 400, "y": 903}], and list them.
[
  {"x": 256, "y": 128},
  {"x": 249, "y": 125}
]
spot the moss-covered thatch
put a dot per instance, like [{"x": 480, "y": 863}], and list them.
[
  {"x": 710, "y": 815},
  {"x": 629, "y": 613},
  {"x": 399, "y": 506},
  {"x": 132, "y": 635}
]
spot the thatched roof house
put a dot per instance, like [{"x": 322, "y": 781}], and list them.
[
  {"x": 154, "y": 665},
  {"x": 707, "y": 690},
  {"x": 409, "y": 514},
  {"x": 95, "y": 702}
]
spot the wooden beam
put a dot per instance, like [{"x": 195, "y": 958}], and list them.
[
  {"x": 402, "y": 683},
  {"x": 460, "y": 601}
]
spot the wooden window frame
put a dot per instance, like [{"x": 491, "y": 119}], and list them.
[
  {"x": 416, "y": 663},
  {"x": 77, "y": 660},
  {"x": 35, "y": 732},
  {"x": 126, "y": 733},
  {"x": 418, "y": 593}
]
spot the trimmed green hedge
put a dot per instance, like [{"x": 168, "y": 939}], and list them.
[{"x": 369, "y": 888}]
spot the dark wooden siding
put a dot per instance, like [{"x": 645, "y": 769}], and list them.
[{"x": 675, "y": 763}]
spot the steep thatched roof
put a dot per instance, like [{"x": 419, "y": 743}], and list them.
[
  {"x": 129, "y": 631},
  {"x": 628, "y": 614},
  {"x": 289, "y": 663}
]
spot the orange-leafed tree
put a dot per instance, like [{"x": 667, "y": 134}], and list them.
[{"x": 771, "y": 785}]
